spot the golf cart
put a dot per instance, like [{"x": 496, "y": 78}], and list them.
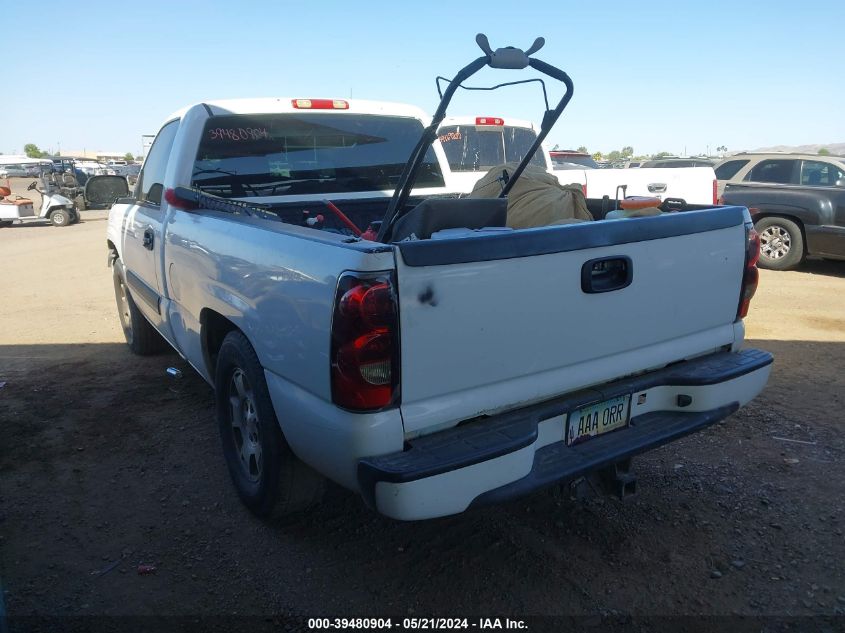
[
  {"x": 63, "y": 177},
  {"x": 54, "y": 207}
]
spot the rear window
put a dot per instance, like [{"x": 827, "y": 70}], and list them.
[
  {"x": 479, "y": 148},
  {"x": 242, "y": 156},
  {"x": 728, "y": 170}
]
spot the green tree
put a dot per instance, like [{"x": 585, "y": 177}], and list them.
[
  {"x": 582, "y": 149},
  {"x": 627, "y": 151},
  {"x": 32, "y": 151},
  {"x": 597, "y": 155},
  {"x": 614, "y": 155},
  {"x": 662, "y": 154},
  {"x": 824, "y": 152},
  {"x": 128, "y": 157}
]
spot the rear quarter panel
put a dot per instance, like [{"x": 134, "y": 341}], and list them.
[{"x": 275, "y": 282}]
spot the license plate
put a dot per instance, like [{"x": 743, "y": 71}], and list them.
[{"x": 595, "y": 419}]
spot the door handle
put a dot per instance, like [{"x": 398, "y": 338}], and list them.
[
  {"x": 657, "y": 187},
  {"x": 149, "y": 239},
  {"x": 606, "y": 274}
]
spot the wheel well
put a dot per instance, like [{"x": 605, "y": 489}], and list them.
[
  {"x": 113, "y": 254},
  {"x": 213, "y": 327},
  {"x": 785, "y": 216}
]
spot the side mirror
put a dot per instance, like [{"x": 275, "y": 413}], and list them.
[
  {"x": 102, "y": 191},
  {"x": 840, "y": 182},
  {"x": 32, "y": 186}
]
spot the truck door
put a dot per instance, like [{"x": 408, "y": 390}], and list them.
[{"x": 141, "y": 250}]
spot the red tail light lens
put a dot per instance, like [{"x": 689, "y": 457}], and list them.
[
  {"x": 750, "y": 276},
  {"x": 489, "y": 120},
  {"x": 365, "y": 343},
  {"x": 715, "y": 191},
  {"x": 584, "y": 189},
  {"x": 174, "y": 200},
  {"x": 320, "y": 104}
]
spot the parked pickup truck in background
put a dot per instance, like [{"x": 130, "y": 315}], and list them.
[
  {"x": 797, "y": 203},
  {"x": 473, "y": 145},
  {"x": 448, "y": 363}
]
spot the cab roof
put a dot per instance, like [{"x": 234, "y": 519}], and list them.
[
  {"x": 272, "y": 105},
  {"x": 471, "y": 120}
]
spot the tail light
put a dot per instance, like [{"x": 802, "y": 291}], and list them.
[
  {"x": 320, "y": 104},
  {"x": 750, "y": 275},
  {"x": 173, "y": 198},
  {"x": 715, "y": 191},
  {"x": 489, "y": 120},
  {"x": 584, "y": 189},
  {"x": 365, "y": 342}
]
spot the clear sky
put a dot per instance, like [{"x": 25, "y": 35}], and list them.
[{"x": 659, "y": 76}]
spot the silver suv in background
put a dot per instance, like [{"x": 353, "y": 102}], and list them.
[{"x": 780, "y": 168}]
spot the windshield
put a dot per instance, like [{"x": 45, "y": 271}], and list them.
[
  {"x": 479, "y": 148},
  {"x": 307, "y": 152}
]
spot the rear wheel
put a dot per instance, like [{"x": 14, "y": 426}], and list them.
[
  {"x": 271, "y": 481},
  {"x": 781, "y": 243},
  {"x": 141, "y": 337}
]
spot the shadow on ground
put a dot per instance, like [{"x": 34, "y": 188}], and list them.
[{"x": 107, "y": 463}]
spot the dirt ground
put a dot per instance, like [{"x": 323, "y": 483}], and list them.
[{"x": 106, "y": 463}]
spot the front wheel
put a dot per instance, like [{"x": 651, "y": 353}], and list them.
[
  {"x": 60, "y": 217},
  {"x": 141, "y": 337},
  {"x": 270, "y": 480},
  {"x": 781, "y": 243}
]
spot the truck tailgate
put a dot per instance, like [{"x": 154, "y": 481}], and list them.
[{"x": 493, "y": 322}]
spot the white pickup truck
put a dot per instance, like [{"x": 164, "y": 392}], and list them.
[
  {"x": 440, "y": 360},
  {"x": 473, "y": 145}
]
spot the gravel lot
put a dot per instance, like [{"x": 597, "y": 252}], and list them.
[{"x": 106, "y": 464}]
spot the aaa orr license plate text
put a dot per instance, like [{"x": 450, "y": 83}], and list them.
[{"x": 598, "y": 418}]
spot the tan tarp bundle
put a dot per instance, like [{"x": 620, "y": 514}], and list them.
[{"x": 537, "y": 197}]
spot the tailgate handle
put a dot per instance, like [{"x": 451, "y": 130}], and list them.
[
  {"x": 657, "y": 187},
  {"x": 606, "y": 274}
]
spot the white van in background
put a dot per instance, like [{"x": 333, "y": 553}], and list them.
[{"x": 474, "y": 145}]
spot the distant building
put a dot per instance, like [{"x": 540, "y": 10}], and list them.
[{"x": 98, "y": 155}]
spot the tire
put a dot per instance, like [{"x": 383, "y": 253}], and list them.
[
  {"x": 781, "y": 243},
  {"x": 60, "y": 217},
  {"x": 141, "y": 337},
  {"x": 80, "y": 203},
  {"x": 270, "y": 480},
  {"x": 74, "y": 217}
]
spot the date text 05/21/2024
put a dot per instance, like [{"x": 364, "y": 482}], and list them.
[{"x": 410, "y": 624}]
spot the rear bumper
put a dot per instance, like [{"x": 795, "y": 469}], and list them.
[{"x": 508, "y": 455}]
